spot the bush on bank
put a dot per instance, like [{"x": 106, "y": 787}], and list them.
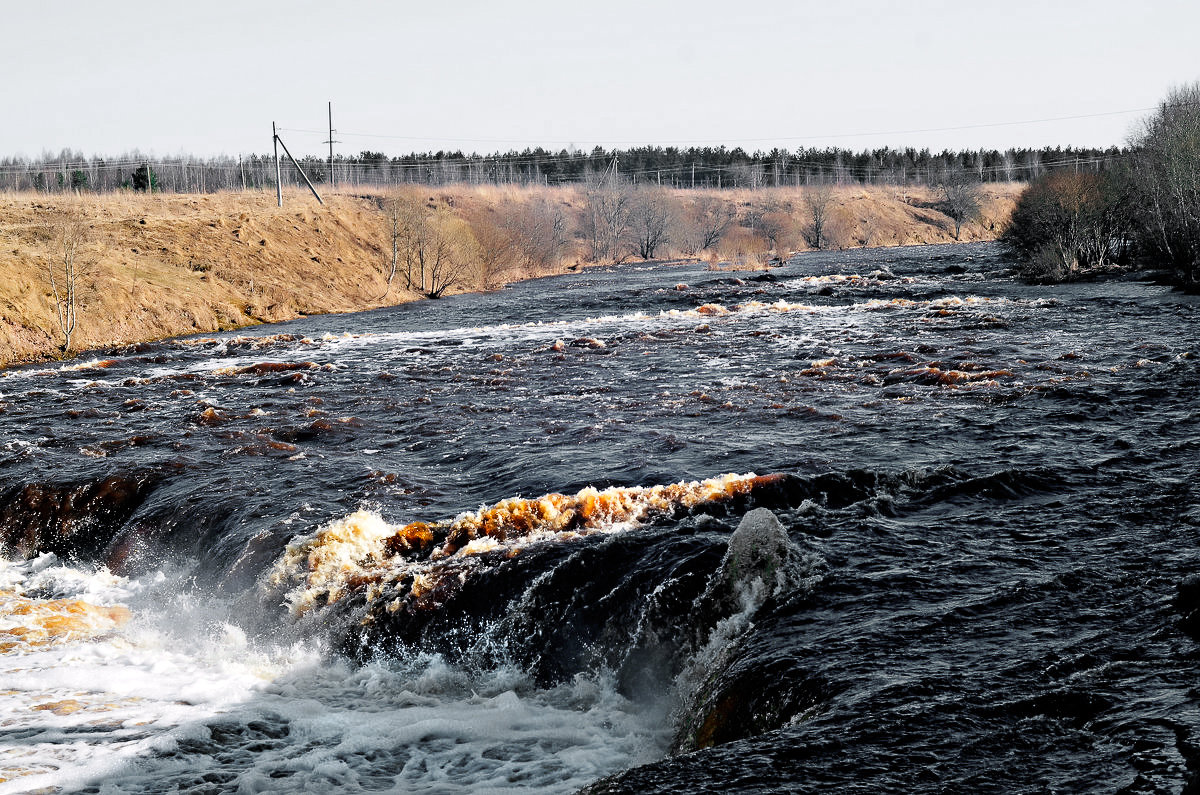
[
  {"x": 1146, "y": 210},
  {"x": 1067, "y": 225}
]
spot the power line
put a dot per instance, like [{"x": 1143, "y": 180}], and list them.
[{"x": 810, "y": 137}]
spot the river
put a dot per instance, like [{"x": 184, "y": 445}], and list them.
[{"x": 500, "y": 541}]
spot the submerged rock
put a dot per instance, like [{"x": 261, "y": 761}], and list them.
[
  {"x": 724, "y": 702},
  {"x": 759, "y": 549},
  {"x": 73, "y": 520}
]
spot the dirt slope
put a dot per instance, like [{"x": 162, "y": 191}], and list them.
[{"x": 175, "y": 264}]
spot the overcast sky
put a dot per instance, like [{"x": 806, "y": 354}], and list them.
[{"x": 209, "y": 77}]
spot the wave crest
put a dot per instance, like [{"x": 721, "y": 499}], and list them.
[{"x": 362, "y": 552}]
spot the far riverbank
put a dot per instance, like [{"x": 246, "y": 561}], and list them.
[{"x": 164, "y": 265}]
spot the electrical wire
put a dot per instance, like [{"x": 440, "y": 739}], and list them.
[{"x": 810, "y": 137}]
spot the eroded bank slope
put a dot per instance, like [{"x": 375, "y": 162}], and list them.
[{"x": 165, "y": 265}]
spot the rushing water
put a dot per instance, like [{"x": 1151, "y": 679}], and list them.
[{"x": 260, "y": 563}]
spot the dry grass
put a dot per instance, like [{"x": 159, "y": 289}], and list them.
[
  {"x": 166, "y": 264},
  {"x": 862, "y": 215}
]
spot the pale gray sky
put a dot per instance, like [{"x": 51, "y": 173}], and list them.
[{"x": 208, "y": 77}]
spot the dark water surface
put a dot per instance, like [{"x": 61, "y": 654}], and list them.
[{"x": 991, "y": 500}]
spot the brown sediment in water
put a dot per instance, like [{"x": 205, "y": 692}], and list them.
[
  {"x": 932, "y": 375},
  {"x": 27, "y": 624},
  {"x": 211, "y": 416},
  {"x": 70, "y": 519},
  {"x": 266, "y": 368}
]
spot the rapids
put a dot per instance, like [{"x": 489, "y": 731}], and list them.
[{"x": 499, "y": 542}]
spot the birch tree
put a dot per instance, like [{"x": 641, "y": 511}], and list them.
[
  {"x": 607, "y": 219},
  {"x": 71, "y": 231}
]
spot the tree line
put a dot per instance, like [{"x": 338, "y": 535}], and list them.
[
  {"x": 1144, "y": 210},
  {"x": 699, "y": 167}
]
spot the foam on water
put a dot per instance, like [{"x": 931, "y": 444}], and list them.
[
  {"x": 158, "y": 703},
  {"x": 362, "y": 551}
]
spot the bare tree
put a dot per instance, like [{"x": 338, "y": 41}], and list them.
[
  {"x": 818, "y": 201},
  {"x": 710, "y": 218},
  {"x": 71, "y": 231},
  {"x": 1166, "y": 181},
  {"x": 651, "y": 218},
  {"x": 452, "y": 254},
  {"x": 606, "y": 219},
  {"x": 960, "y": 196},
  {"x": 539, "y": 232},
  {"x": 435, "y": 249},
  {"x": 411, "y": 235},
  {"x": 393, "y": 208}
]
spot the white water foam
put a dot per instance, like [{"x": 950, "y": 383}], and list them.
[{"x": 183, "y": 698}]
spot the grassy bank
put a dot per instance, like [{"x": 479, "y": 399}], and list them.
[{"x": 166, "y": 264}]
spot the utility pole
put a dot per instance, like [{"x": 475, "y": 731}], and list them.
[
  {"x": 331, "y": 142},
  {"x": 307, "y": 181},
  {"x": 693, "y": 175},
  {"x": 278, "y": 176}
]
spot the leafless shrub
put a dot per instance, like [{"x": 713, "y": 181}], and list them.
[
  {"x": 538, "y": 230},
  {"x": 818, "y": 203},
  {"x": 743, "y": 246},
  {"x": 496, "y": 248},
  {"x": 607, "y": 219},
  {"x": 707, "y": 219},
  {"x": 652, "y": 219},
  {"x": 433, "y": 248}
]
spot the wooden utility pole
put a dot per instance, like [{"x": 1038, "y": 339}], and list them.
[{"x": 278, "y": 175}]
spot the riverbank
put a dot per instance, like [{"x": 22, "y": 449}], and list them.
[{"x": 171, "y": 264}]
